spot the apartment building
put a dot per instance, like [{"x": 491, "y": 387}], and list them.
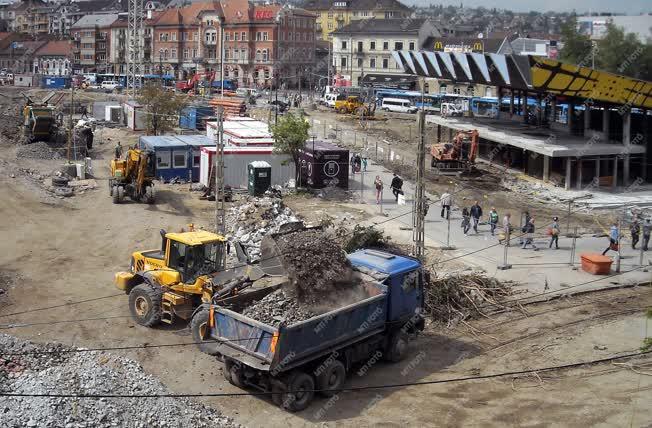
[
  {"x": 335, "y": 14},
  {"x": 29, "y": 17},
  {"x": 67, "y": 12},
  {"x": 91, "y": 43}
]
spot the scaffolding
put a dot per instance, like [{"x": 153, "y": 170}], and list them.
[{"x": 135, "y": 46}]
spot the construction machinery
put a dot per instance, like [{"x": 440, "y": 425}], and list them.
[
  {"x": 39, "y": 122},
  {"x": 353, "y": 105},
  {"x": 458, "y": 156},
  {"x": 188, "y": 270},
  {"x": 133, "y": 176}
]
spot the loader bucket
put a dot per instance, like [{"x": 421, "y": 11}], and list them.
[{"x": 271, "y": 259}]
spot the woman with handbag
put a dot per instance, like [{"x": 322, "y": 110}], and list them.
[
  {"x": 613, "y": 239},
  {"x": 554, "y": 233}
]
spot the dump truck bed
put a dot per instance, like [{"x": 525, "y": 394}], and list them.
[{"x": 268, "y": 348}]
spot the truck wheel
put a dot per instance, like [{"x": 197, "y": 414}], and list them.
[
  {"x": 331, "y": 379},
  {"x": 145, "y": 304},
  {"x": 226, "y": 371},
  {"x": 235, "y": 375},
  {"x": 115, "y": 195},
  {"x": 200, "y": 334},
  {"x": 397, "y": 347},
  {"x": 302, "y": 386}
]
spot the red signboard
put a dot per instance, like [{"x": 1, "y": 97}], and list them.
[{"x": 263, "y": 15}]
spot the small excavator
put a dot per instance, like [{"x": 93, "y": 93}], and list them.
[
  {"x": 133, "y": 176},
  {"x": 458, "y": 156}
]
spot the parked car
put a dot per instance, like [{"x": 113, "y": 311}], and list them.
[
  {"x": 450, "y": 109},
  {"x": 398, "y": 105},
  {"x": 110, "y": 85}
]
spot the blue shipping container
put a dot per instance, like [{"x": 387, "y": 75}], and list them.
[
  {"x": 191, "y": 117},
  {"x": 176, "y": 155},
  {"x": 55, "y": 82}
]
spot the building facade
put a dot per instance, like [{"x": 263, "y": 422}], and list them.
[
  {"x": 91, "y": 43},
  {"x": 66, "y": 13},
  {"x": 29, "y": 17},
  {"x": 364, "y": 47},
  {"x": 53, "y": 59},
  {"x": 334, "y": 14}
]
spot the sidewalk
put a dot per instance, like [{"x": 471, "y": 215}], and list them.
[{"x": 546, "y": 270}]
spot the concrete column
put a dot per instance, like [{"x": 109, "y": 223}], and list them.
[
  {"x": 553, "y": 108},
  {"x": 511, "y": 103},
  {"x": 597, "y": 171},
  {"x": 567, "y": 183},
  {"x": 524, "y": 111},
  {"x": 605, "y": 122},
  {"x": 450, "y": 135},
  {"x": 614, "y": 183},
  {"x": 579, "y": 174},
  {"x": 571, "y": 115},
  {"x": 627, "y": 128},
  {"x": 646, "y": 134},
  {"x": 500, "y": 100},
  {"x": 546, "y": 168},
  {"x": 587, "y": 119}
]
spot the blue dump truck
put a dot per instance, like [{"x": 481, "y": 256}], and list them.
[{"x": 293, "y": 362}]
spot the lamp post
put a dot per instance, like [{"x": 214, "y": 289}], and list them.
[{"x": 160, "y": 64}]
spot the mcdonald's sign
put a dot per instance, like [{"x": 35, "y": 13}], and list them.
[
  {"x": 439, "y": 46},
  {"x": 477, "y": 47}
]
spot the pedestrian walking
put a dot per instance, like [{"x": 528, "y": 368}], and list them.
[
  {"x": 647, "y": 230},
  {"x": 614, "y": 234},
  {"x": 507, "y": 227},
  {"x": 446, "y": 201},
  {"x": 635, "y": 231},
  {"x": 493, "y": 220},
  {"x": 476, "y": 214},
  {"x": 397, "y": 186},
  {"x": 554, "y": 233},
  {"x": 364, "y": 164},
  {"x": 529, "y": 235},
  {"x": 378, "y": 183},
  {"x": 466, "y": 220},
  {"x": 118, "y": 151}
]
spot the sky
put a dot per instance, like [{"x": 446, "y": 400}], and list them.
[{"x": 633, "y": 6}]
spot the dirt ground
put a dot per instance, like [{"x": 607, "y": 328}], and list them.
[{"x": 58, "y": 251}]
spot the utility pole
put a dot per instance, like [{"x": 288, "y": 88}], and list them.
[
  {"x": 218, "y": 165},
  {"x": 418, "y": 231},
  {"x": 72, "y": 109}
]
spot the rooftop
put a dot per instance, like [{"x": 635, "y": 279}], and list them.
[
  {"x": 101, "y": 20},
  {"x": 382, "y": 26},
  {"x": 355, "y": 5},
  {"x": 55, "y": 48},
  {"x": 382, "y": 262}
]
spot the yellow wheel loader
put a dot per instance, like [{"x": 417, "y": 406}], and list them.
[{"x": 133, "y": 176}]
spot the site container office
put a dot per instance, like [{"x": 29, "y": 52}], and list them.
[
  {"x": 242, "y": 132},
  {"x": 324, "y": 164},
  {"x": 172, "y": 156},
  {"x": 195, "y": 143},
  {"x": 195, "y": 117},
  {"x": 56, "y": 82},
  {"x": 237, "y": 159}
]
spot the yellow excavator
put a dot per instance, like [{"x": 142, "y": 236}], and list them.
[
  {"x": 39, "y": 122},
  {"x": 133, "y": 176},
  {"x": 353, "y": 105}
]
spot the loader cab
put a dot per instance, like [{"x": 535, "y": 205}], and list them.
[{"x": 193, "y": 254}]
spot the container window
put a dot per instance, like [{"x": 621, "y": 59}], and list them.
[
  {"x": 163, "y": 160},
  {"x": 179, "y": 160},
  {"x": 410, "y": 280},
  {"x": 196, "y": 158}
]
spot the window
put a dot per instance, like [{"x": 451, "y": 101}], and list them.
[
  {"x": 236, "y": 36},
  {"x": 411, "y": 46},
  {"x": 330, "y": 25},
  {"x": 178, "y": 159},
  {"x": 456, "y": 90},
  {"x": 186, "y": 53},
  {"x": 173, "y": 36},
  {"x": 339, "y": 4},
  {"x": 385, "y": 63},
  {"x": 259, "y": 36},
  {"x": 166, "y": 54},
  {"x": 385, "y": 46},
  {"x": 265, "y": 36},
  {"x": 173, "y": 53},
  {"x": 244, "y": 36},
  {"x": 227, "y": 37},
  {"x": 258, "y": 55},
  {"x": 372, "y": 46},
  {"x": 398, "y": 46},
  {"x": 266, "y": 73},
  {"x": 343, "y": 61},
  {"x": 194, "y": 53},
  {"x": 196, "y": 158},
  {"x": 160, "y": 37},
  {"x": 360, "y": 62},
  {"x": 184, "y": 36},
  {"x": 330, "y": 13},
  {"x": 264, "y": 54},
  {"x": 163, "y": 160},
  {"x": 359, "y": 46},
  {"x": 343, "y": 44},
  {"x": 195, "y": 36},
  {"x": 389, "y": 15},
  {"x": 372, "y": 62}
]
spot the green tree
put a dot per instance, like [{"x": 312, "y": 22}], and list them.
[
  {"x": 622, "y": 53},
  {"x": 577, "y": 47},
  {"x": 162, "y": 108},
  {"x": 290, "y": 136}
]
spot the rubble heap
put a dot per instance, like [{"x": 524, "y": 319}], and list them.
[
  {"x": 251, "y": 221},
  {"x": 278, "y": 307},
  {"x": 52, "y": 369}
]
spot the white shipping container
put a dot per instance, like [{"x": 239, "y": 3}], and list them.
[
  {"x": 236, "y": 160},
  {"x": 112, "y": 113}
]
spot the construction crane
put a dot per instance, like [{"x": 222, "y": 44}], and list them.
[
  {"x": 458, "y": 156},
  {"x": 133, "y": 176}
]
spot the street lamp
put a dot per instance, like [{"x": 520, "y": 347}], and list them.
[{"x": 160, "y": 64}]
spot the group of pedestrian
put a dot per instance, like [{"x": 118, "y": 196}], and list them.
[
  {"x": 358, "y": 163},
  {"x": 635, "y": 231}
]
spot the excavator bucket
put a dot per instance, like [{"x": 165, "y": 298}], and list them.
[{"x": 271, "y": 258}]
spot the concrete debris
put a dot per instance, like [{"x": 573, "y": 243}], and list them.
[
  {"x": 197, "y": 187},
  {"x": 61, "y": 372},
  {"x": 278, "y": 307},
  {"x": 38, "y": 150},
  {"x": 252, "y": 220}
]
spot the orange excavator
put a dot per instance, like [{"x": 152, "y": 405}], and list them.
[{"x": 458, "y": 156}]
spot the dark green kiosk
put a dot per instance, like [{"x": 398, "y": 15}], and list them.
[{"x": 260, "y": 177}]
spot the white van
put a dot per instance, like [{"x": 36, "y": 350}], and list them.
[
  {"x": 246, "y": 92},
  {"x": 110, "y": 84},
  {"x": 329, "y": 99},
  {"x": 450, "y": 109},
  {"x": 398, "y": 105}
]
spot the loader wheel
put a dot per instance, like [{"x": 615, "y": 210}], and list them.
[
  {"x": 121, "y": 193},
  {"x": 200, "y": 333},
  {"x": 397, "y": 348},
  {"x": 145, "y": 304},
  {"x": 149, "y": 195},
  {"x": 331, "y": 379},
  {"x": 115, "y": 195},
  {"x": 303, "y": 387}
]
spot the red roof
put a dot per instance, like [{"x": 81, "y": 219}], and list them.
[
  {"x": 185, "y": 15},
  {"x": 55, "y": 48}
]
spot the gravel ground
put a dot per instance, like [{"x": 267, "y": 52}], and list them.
[{"x": 59, "y": 372}]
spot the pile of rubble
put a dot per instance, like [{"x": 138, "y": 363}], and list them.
[
  {"x": 52, "y": 369},
  {"x": 39, "y": 150},
  {"x": 251, "y": 221},
  {"x": 277, "y": 307}
]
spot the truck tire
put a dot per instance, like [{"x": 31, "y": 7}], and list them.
[
  {"x": 199, "y": 329},
  {"x": 235, "y": 375},
  {"x": 121, "y": 193},
  {"x": 397, "y": 348},
  {"x": 226, "y": 371},
  {"x": 145, "y": 304},
  {"x": 331, "y": 379},
  {"x": 60, "y": 181},
  {"x": 115, "y": 195},
  {"x": 302, "y": 386}
]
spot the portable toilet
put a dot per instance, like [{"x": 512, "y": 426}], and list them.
[{"x": 260, "y": 177}]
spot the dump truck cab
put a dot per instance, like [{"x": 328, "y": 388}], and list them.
[{"x": 171, "y": 281}]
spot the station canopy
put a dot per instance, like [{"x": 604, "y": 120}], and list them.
[{"x": 527, "y": 72}]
